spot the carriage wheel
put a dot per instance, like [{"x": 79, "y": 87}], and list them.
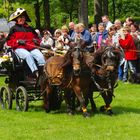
[
  {"x": 21, "y": 99},
  {"x": 6, "y": 97}
]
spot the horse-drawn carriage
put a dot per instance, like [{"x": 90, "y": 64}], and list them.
[
  {"x": 21, "y": 84},
  {"x": 101, "y": 76}
]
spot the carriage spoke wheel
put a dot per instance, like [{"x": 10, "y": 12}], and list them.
[
  {"x": 21, "y": 99},
  {"x": 6, "y": 97}
]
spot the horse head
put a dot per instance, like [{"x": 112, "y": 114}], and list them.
[
  {"x": 110, "y": 58},
  {"x": 76, "y": 57}
]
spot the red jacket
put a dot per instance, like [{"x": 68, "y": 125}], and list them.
[
  {"x": 129, "y": 47},
  {"x": 24, "y": 32}
]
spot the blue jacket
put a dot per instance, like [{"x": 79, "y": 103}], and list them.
[
  {"x": 104, "y": 35},
  {"x": 86, "y": 36}
]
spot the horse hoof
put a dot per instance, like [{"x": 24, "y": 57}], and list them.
[
  {"x": 110, "y": 112},
  {"x": 70, "y": 112},
  {"x": 86, "y": 115},
  {"x": 78, "y": 109},
  {"x": 47, "y": 110},
  {"x": 102, "y": 108},
  {"x": 95, "y": 111}
]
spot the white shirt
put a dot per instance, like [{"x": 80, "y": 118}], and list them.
[
  {"x": 47, "y": 41},
  {"x": 108, "y": 25}
]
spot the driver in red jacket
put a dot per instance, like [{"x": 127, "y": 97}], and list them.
[{"x": 24, "y": 40}]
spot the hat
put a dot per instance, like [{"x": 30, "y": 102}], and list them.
[{"x": 17, "y": 13}]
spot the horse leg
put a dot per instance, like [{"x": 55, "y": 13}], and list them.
[
  {"x": 93, "y": 105},
  {"x": 69, "y": 101},
  {"x": 90, "y": 96},
  {"x": 77, "y": 90},
  {"x": 46, "y": 98},
  {"x": 107, "y": 99}
]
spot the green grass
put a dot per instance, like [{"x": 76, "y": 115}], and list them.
[{"x": 38, "y": 125}]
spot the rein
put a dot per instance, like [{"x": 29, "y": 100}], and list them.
[
  {"x": 71, "y": 79},
  {"x": 101, "y": 90},
  {"x": 97, "y": 65}
]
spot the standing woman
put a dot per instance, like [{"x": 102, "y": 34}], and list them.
[
  {"x": 101, "y": 35},
  {"x": 130, "y": 54},
  {"x": 24, "y": 41}
]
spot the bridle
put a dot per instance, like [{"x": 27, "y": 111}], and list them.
[{"x": 103, "y": 66}]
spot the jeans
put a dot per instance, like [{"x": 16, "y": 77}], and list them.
[
  {"x": 129, "y": 64},
  {"x": 29, "y": 57},
  {"x": 120, "y": 72}
]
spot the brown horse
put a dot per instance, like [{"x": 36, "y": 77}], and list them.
[
  {"x": 63, "y": 71},
  {"x": 105, "y": 68},
  {"x": 103, "y": 65}
]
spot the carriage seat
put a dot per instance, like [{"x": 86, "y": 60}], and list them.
[{"x": 18, "y": 62}]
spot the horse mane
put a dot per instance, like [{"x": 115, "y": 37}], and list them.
[
  {"x": 97, "y": 55},
  {"x": 67, "y": 57}
]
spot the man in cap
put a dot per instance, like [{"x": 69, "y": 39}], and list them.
[{"x": 24, "y": 41}]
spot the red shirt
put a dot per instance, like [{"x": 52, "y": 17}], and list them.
[
  {"x": 24, "y": 32},
  {"x": 129, "y": 47}
]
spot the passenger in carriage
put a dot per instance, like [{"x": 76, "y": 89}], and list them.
[{"x": 25, "y": 42}]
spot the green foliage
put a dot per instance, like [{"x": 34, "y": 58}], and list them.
[
  {"x": 61, "y": 11},
  {"x": 125, "y": 8},
  {"x": 38, "y": 125}
]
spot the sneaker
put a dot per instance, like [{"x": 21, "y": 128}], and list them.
[{"x": 124, "y": 81}]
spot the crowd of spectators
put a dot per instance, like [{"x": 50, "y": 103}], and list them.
[{"x": 125, "y": 36}]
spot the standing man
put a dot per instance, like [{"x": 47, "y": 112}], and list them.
[
  {"x": 71, "y": 28},
  {"x": 106, "y": 21}
]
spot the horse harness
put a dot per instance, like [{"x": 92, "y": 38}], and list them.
[{"x": 107, "y": 76}]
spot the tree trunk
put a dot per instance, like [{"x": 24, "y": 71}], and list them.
[
  {"x": 113, "y": 5},
  {"x": 97, "y": 11},
  {"x": 70, "y": 15},
  {"x": 105, "y": 7},
  {"x": 46, "y": 7},
  {"x": 37, "y": 14},
  {"x": 83, "y": 12}
]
